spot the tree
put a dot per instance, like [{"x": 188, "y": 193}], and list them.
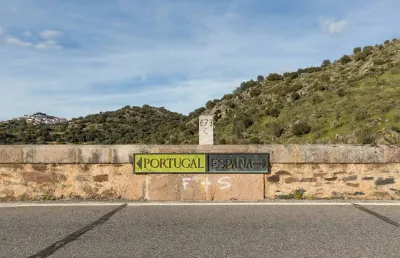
[
  {"x": 356, "y": 50},
  {"x": 260, "y": 78},
  {"x": 326, "y": 62},
  {"x": 274, "y": 77},
  {"x": 345, "y": 59}
]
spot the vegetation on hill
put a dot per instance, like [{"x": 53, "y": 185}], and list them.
[
  {"x": 129, "y": 125},
  {"x": 354, "y": 100}
]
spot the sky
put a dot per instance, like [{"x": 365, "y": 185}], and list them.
[{"x": 74, "y": 58}]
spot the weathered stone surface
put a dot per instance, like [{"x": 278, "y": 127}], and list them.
[
  {"x": 368, "y": 178},
  {"x": 291, "y": 180},
  {"x": 273, "y": 179},
  {"x": 353, "y": 184},
  {"x": 386, "y": 181},
  {"x": 11, "y": 154},
  {"x": 350, "y": 178},
  {"x": 331, "y": 178},
  {"x": 308, "y": 180},
  {"x": 235, "y": 187},
  {"x": 122, "y": 154},
  {"x": 58, "y": 154},
  {"x": 100, "y": 178},
  {"x": 92, "y": 154},
  {"x": 37, "y": 177},
  {"x": 283, "y": 173}
]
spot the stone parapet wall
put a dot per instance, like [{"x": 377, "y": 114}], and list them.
[{"x": 42, "y": 172}]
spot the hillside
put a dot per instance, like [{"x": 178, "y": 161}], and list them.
[
  {"x": 354, "y": 100},
  {"x": 129, "y": 125}
]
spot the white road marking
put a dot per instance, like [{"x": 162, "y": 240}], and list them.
[{"x": 134, "y": 204}]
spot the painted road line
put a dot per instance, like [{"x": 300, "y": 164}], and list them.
[{"x": 134, "y": 204}]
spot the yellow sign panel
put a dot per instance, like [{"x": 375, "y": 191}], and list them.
[{"x": 169, "y": 163}]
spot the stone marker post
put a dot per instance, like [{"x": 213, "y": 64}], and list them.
[{"x": 206, "y": 130}]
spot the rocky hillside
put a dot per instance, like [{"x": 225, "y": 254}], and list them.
[
  {"x": 352, "y": 100},
  {"x": 129, "y": 125}
]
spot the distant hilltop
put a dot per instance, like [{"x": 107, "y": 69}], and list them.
[{"x": 42, "y": 118}]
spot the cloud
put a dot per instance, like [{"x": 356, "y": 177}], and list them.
[
  {"x": 27, "y": 34},
  {"x": 16, "y": 42},
  {"x": 51, "y": 34},
  {"x": 334, "y": 27},
  {"x": 40, "y": 45}
]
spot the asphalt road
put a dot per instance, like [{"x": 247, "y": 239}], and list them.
[{"x": 201, "y": 231}]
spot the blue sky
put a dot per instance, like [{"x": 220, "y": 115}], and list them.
[{"x": 76, "y": 57}]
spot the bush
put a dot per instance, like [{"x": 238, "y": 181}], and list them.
[
  {"x": 368, "y": 50},
  {"x": 230, "y": 104},
  {"x": 295, "y": 96},
  {"x": 301, "y": 128},
  {"x": 274, "y": 77},
  {"x": 340, "y": 92},
  {"x": 255, "y": 92},
  {"x": 361, "y": 115},
  {"x": 260, "y": 78},
  {"x": 272, "y": 111},
  {"x": 254, "y": 140},
  {"x": 365, "y": 137},
  {"x": 227, "y": 96},
  {"x": 387, "y": 42},
  {"x": 317, "y": 99},
  {"x": 325, "y": 63},
  {"x": 378, "y": 61},
  {"x": 210, "y": 104},
  {"x": 360, "y": 56},
  {"x": 276, "y": 129},
  {"x": 345, "y": 59},
  {"x": 325, "y": 77},
  {"x": 356, "y": 50},
  {"x": 395, "y": 70}
]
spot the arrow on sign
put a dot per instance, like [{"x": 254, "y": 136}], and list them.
[
  {"x": 262, "y": 163},
  {"x": 139, "y": 163}
]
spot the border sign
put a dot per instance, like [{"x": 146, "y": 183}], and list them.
[
  {"x": 176, "y": 163},
  {"x": 238, "y": 163},
  {"x": 169, "y": 163}
]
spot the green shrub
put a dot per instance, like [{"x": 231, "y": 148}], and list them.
[
  {"x": 275, "y": 129},
  {"x": 345, "y": 59},
  {"x": 356, "y": 50},
  {"x": 325, "y": 77},
  {"x": 317, "y": 99},
  {"x": 295, "y": 96},
  {"x": 274, "y": 77},
  {"x": 365, "y": 136},
  {"x": 230, "y": 104},
  {"x": 255, "y": 92},
  {"x": 272, "y": 111},
  {"x": 379, "y": 61},
  {"x": 361, "y": 115},
  {"x": 227, "y": 96},
  {"x": 254, "y": 140},
  {"x": 260, "y": 78},
  {"x": 298, "y": 194},
  {"x": 341, "y": 92},
  {"x": 387, "y": 42},
  {"x": 325, "y": 63},
  {"x": 210, "y": 104},
  {"x": 301, "y": 128},
  {"x": 360, "y": 56},
  {"x": 368, "y": 49},
  {"x": 395, "y": 70}
]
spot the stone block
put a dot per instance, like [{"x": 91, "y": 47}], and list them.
[
  {"x": 58, "y": 154},
  {"x": 92, "y": 154},
  {"x": 235, "y": 187},
  {"x": 11, "y": 154},
  {"x": 392, "y": 155}
]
